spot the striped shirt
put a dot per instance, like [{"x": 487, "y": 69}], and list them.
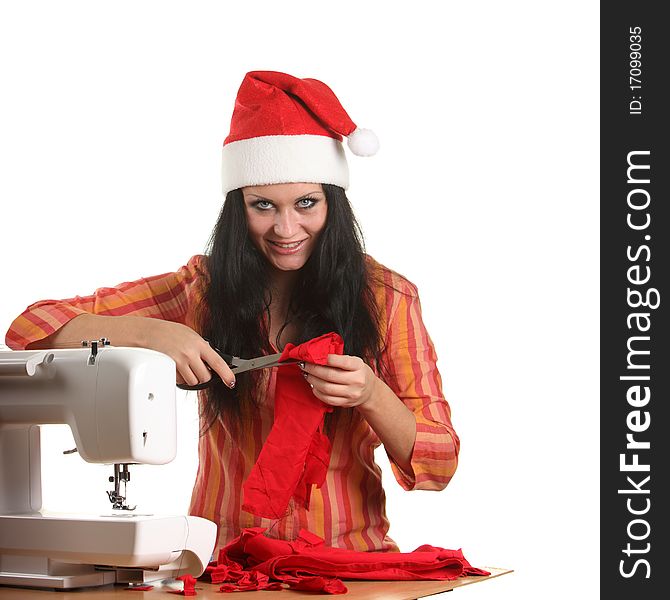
[{"x": 348, "y": 511}]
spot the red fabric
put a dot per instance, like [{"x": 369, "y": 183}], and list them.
[
  {"x": 235, "y": 578},
  {"x": 251, "y": 581},
  {"x": 307, "y": 564},
  {"x": 189, "y": 586},
  {"x": 324, "y": 585},
  {"x": 273, "y": 103},
  {"x": 222, "y": 570},
  {"x": 296, "y": 452}
]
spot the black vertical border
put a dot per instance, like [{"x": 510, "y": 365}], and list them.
[{"x": 622, "y": 133}]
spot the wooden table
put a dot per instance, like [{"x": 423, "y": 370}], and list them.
[{"x": 358, "y": 590}]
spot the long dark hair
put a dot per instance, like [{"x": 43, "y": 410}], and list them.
[{"x": 333, "y": 292}]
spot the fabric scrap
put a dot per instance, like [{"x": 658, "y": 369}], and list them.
[
  {"x": 235, "y": 578},
  {"x": 139, "y": 588},
  {"x": 189, "y": 586}
]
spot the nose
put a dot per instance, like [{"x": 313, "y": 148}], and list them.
[{"x": 286, "y": 224}]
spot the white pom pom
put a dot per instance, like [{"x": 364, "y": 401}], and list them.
[{"x": 363, "y": 142}]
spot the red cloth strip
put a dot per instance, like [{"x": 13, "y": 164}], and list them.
[{"x": 296, "y": 452}]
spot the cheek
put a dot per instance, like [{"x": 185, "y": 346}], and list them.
[
  {"x": 256, "y": 226},
  {"x": 317, "y": 222}
]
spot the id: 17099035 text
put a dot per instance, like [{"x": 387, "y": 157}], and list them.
[{"x": 635, "y": 70}]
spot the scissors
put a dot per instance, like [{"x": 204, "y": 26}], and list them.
[{"x": 240, "y": 365}]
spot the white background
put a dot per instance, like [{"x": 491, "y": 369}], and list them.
[{"x": 484, "y": 193}]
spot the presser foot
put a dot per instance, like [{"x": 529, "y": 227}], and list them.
[{"x": 121, "y": 476}]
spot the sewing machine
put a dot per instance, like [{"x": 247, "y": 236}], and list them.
[{"x": 120, "y": 405}]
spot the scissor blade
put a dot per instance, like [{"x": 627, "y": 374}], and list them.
[{"x": 271, "y": 360}]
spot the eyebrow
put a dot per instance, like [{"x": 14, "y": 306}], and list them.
[{"x": 307, "y": 195}]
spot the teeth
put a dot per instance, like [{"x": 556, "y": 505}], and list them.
[{"x": 293, "y": 245}]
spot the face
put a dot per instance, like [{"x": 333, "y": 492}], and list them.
[{"x": 285, "y": 221}]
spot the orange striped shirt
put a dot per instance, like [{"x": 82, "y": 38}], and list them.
[{"x": 348, "y": 511}]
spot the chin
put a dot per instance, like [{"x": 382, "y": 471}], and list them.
[{"x": 286, "y": 266}]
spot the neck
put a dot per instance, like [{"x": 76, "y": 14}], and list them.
[{"x": 282, "y": 283}]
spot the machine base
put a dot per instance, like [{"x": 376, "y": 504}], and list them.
[
  {"x": 41, "y": 572},
  {"x": 71, "y": 551}
]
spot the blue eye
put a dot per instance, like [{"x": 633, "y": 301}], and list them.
[
  {"x": 306, "y": 202},
  {"x": 263, "y": 205}
]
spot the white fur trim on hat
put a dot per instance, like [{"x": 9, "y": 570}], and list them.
[{"x": 284, "y": 159}]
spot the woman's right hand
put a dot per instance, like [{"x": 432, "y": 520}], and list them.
[{"x": 194, "y": 357}]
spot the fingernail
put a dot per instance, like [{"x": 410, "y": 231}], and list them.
[
  {"x": 231, "y": 385},
  {"x": 301, "y": 365},
  {"x": 304, "y": 375}
]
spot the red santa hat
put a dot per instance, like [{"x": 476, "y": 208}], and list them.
[{"x": 289, "y": 130}]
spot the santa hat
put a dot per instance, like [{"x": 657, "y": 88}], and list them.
[{"x": 289, "y": 130}]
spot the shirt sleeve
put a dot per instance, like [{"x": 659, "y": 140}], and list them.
[
  {"x": 171, "y": 296},
  {"x": 411, "y": 362}
]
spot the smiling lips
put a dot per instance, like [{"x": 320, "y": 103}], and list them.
[{"x": 287, "y": 248}]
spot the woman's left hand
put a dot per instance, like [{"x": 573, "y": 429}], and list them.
[{"x": 345, "y": 381}]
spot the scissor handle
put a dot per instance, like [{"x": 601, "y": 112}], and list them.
[{"x": 200, "y": 386}]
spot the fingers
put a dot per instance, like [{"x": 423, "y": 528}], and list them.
[
  {"x": 346, "y": 370},
  {"x": 345, "y": 362},
  {"x": 328, "y": 374},
  {"x": 195, "y": 359},
  {"x": 336, "y": 394},
  {"x": 339, "y": 386},
  {"x": 186, "y": 375},
  {"x": 332, "y": 390},
  {"x": 220, "y": 366},
  {"x": 200, "y": 362},
  {"x": 200, "y": 370}
]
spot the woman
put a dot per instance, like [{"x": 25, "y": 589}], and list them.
[{"x": 285, "y": 264}]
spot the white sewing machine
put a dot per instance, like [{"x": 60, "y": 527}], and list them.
[{"x": 120, "y": 405}]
